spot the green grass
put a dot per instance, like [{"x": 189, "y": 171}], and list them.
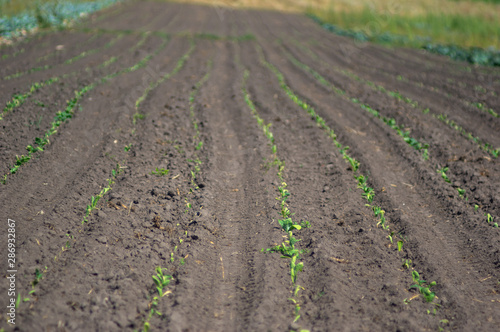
[{"x": 461, "y": 30}]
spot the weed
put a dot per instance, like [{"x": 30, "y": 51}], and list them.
[
  {"x": 127, "y": 147},
  {"x": 179, "y": 149},
  {"x": 305, "y": 224},
  {"x": 461, "y": 192},
  {"x": 38, "y": 277}
]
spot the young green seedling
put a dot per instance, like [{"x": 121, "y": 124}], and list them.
[
  {"x": 390, "y": 236},
  {"x": 161, "y": 280},
  {"x": 423, "y": 287},
  {"x": 160, "y": 171},
  {"x": 443, "y": 171},
  {"x": 407, "y": 264}
]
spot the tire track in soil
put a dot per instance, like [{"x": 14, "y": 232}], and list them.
[
  {"x": 227, "y": 283},
  {"x": 430, "y": 236}
]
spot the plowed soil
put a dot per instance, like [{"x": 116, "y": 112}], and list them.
[{"x": 169, "y": 95}]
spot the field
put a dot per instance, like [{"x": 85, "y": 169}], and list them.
[{"x": 175, "y": 167}]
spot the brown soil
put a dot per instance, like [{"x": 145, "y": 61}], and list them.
[{"x": 208, "y": 231}]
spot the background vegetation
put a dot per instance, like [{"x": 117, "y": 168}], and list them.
[{"x": 17, "y": 17}]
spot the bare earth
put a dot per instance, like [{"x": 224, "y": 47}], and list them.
[{"x": 207, "y": 220}]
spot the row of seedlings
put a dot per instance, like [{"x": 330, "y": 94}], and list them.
[
  {"x": 94, "y": 200},
  {"x": 138, "y": 115},
  {"x": 65, "y": 115},
  {"x": 18, "y": 99},
  {"x": 288, "y": 249},
  {"x": 368, "y": 193},
  {"x": 391, "y": 122},
  {"x": 68, "y": 61},
  {"x": 160, "y": 279},
  {"x": 485, "y": 146}
]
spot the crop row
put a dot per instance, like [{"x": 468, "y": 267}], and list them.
[
  {"x": 197, "y": 141},
  {"x": 487, "y": 147},
  {"x": 478, "y": 105},
  {"x": 288, "y": 248},
  {"x": 94, "y": 50},
  {"x": 67, "y": 62},
  {"x": 163, "y": 78},
  {"x": 18, "y": 99},
  {"x": 56, "y": 50},
  {"x": 392, "y": 123},
  {"x": 161, "y": 279},
  {"x": 368, "y": 193},
  {"x": 6, "y": 56},
  {"x": 63, "y": 116}
]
